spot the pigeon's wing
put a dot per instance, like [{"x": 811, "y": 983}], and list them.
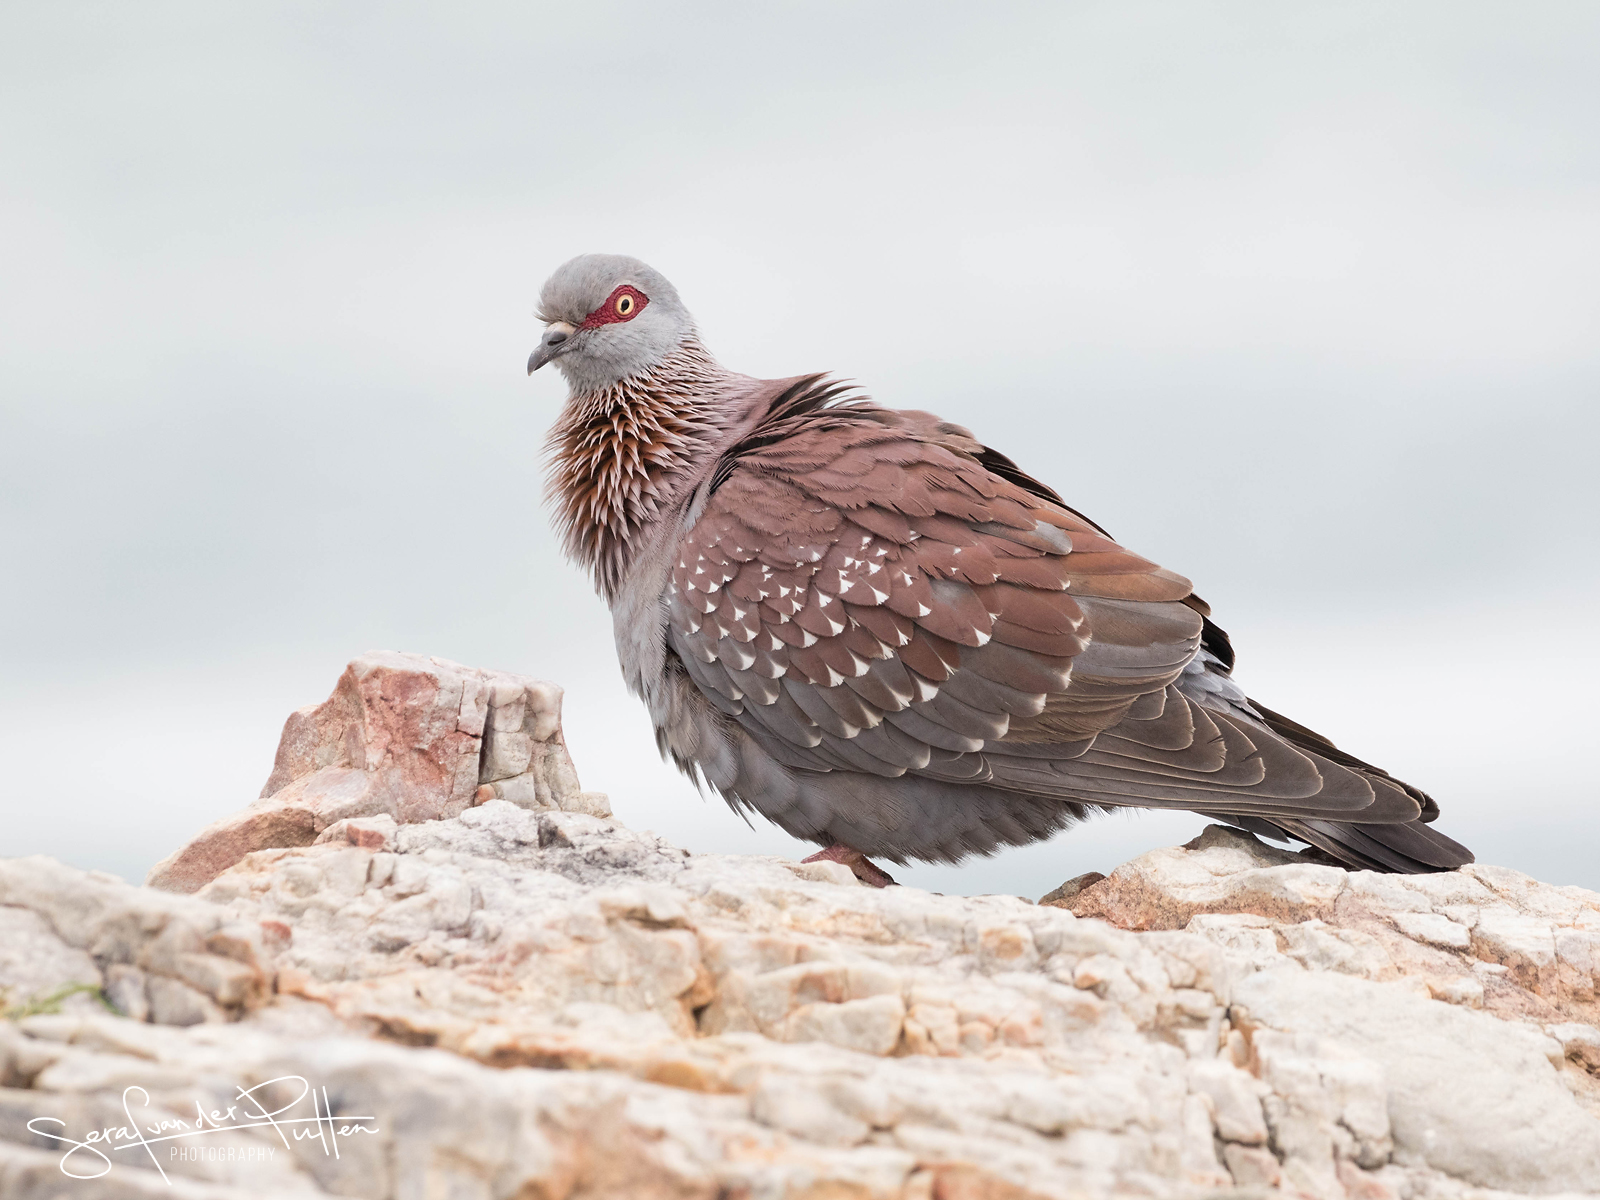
[
  {"x": 876, "y": 592},
  {"x": 861, "y": 597}
]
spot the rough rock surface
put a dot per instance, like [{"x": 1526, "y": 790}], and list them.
[
  {"x": 417, "y": 738},
  {"x": 536, "y": 1003}
]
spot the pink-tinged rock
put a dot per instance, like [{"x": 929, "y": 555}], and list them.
[
  {"x": 370, "y": 833},
  {"x": 413, "y": 726},
  {"x": 403, "y": 737},
  {"x": 222, "y": 844},
  {"x": 1221, "y": 871}
]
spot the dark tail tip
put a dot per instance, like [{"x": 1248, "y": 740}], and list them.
[{"x": 1412, "y": 848}]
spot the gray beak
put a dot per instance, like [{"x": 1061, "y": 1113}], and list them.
[{"x": 555, "y": 340}]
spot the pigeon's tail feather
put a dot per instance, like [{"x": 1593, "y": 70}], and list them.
[
  {"x": 1408, "y": 847},
  {"x": 1411, "y": 848},
  {"x": 1297, "y": 734}
]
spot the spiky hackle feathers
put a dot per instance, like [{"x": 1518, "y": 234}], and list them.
[{"x": 617, "y": 451}]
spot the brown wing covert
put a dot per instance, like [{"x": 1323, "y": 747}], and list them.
[{"x": 861, "y": 593}]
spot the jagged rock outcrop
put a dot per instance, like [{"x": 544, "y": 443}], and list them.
[
  {"x": 531, "y": 1002},
  {"x": 405, "y": 735}
]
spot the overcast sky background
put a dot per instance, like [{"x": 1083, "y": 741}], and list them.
[{"x": 1299, "y": 300}]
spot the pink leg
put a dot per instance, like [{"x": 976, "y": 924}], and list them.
[{"x": 860, "y": 865}]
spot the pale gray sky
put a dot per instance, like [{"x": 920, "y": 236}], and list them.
[{"x": 266, "y": 282}]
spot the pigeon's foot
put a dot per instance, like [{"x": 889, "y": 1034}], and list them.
[{"x": 862, "y": 867}]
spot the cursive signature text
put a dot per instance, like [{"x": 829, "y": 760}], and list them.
[{"x": 87, "y": 1157}]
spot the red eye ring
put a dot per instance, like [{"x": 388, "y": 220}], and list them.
[{"x": 624, "y": 304}]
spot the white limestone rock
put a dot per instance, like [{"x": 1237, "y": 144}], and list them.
[
  {"x": 37, "y": 967},
  {"x": 538, "y": 1002}
]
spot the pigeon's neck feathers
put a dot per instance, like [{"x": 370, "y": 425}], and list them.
[{"x": 626, "y": 455}]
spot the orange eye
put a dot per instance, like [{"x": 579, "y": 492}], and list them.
[{"x": 624, "y": 305}]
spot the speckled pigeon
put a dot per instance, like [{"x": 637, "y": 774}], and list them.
[{"x": 884, "y": 636}]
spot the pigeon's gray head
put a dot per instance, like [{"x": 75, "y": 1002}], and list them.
[{"x": 608, "y": 317}]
